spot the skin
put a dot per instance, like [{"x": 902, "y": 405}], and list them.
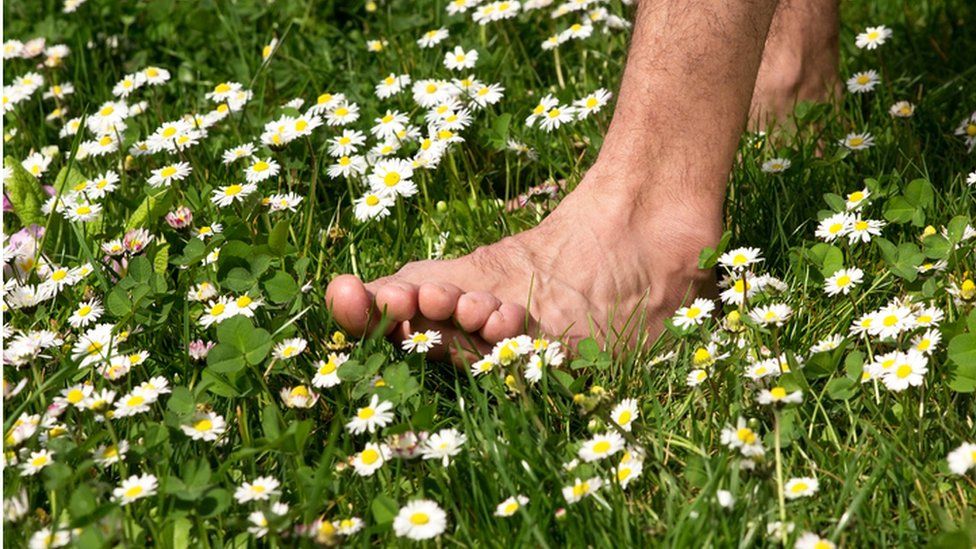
[{"x": 619, "y": 253}]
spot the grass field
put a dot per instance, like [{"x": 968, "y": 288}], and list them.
[{"x": 145, "y": 245}]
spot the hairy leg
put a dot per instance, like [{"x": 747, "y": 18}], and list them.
[
  {"x": 625, "y": 242},
  {"x": 799, "y": 62}
]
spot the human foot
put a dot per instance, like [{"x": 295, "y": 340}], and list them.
[
  {"x": 799, "y": 62},
  {"x": 613, "y": 260}
]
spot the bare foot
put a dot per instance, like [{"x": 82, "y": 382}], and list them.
[
  {"x": 608, "y": 256},
  {"x": 799, "y": 62}
]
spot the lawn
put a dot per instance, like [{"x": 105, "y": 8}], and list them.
[{"x": 183, "y": 179}]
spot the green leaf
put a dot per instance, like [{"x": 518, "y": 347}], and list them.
[
  {"x": 181, "y": 401},
  {"x": 351, "y": 370},
  {"x": 899, "y": 210},
  {"x": 25, "y": 193},
  {"x": 589, "y": 349},
  {"x": 278, "y": 239},
  {"x": 239, "y": 280},
  {"x": 140, "y": 269},
  {"x": 156, "y": 203},
  {"x": 252, "y": 344},
  {"x": 67, "y": 178},
  {"x": 161, "y": 261},
  {"x": 920, "y": 193},
  {"x": 962, "y": 351},
  {"x": 841, "y": 388},
  {"x": 936, "y": 247},
  {"x": 281, "y": 288},
  {"x": 271, "y": 422},
  {"x": 384, "y": 509},
  {"x": 225, "y": 359},
  {"x": 835, "y": 202},
  {"x": 82, "y": 502},
  {"x": 708, "y": 257},
  {"x": 957, "y": 228}
]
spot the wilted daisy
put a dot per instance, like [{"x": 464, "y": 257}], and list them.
[
  {"x": 581, "y": 489},
  {"x": 419, "y": 520},
  {"x": 260, "y": 489},
  {"x": 298, "y": 396},
  {"x": 857, "y": 141},
  {"x": 863, "y": 82},
  {"x": 110, "y": 454},
  {"x": 371, "y": 417},
  {"x": 205, "y": 426},
  {"x": 601, "y": 446},
  {"x": 743, "y": 439},
  {"x": 421, "y": 342},
  {"x": 967, "y": 130},
  {"x": 511, "y": 506},
  {"x": 776, "y": 165},
  {"x": 228, "y": 194},
  {"x": 800, "y": 487},
  {"x": 779, "y": 395},
  {"x": 348, "y": 526},
  {"x": 902, "y": 109},
  {"x": 694, "y": 314},
  {"x": 443, "y": 445},
  {"x": 807, "y": 540},
  {"x": 432, "y": 37},
  {"x": 372, "y": 457},
  {"x": 962, "y": 458},
  {"x": 134, "y": 488},
  {"x": 592, "y": 103},
  {"x": 872, "y": 37}
]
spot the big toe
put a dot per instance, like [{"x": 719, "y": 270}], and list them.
[{"x": 351, "y": 304}]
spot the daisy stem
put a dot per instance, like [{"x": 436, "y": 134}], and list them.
[
  {"x": 779, "y": 476},
  {"x": 311, "y": 196},
  {"x": 559, "y": 68}
]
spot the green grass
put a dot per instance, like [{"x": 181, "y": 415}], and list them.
[{"x": 880, "y": 456}]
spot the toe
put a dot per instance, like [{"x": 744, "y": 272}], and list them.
[
  {"x": 437, "y": 300},
  {"x": 473, "y": 310},
  {"x": 507, "y": 321},
  {"x": 351, "y": 305},
  {"x": 398, "y": 300}
]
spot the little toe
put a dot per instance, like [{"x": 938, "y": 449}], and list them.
[
  {"x": 398, "y": 300},
  {"x": 437, "y": 300},
  {"x": 473, "y": 310},
  {"x": 507, "y": 321}
]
